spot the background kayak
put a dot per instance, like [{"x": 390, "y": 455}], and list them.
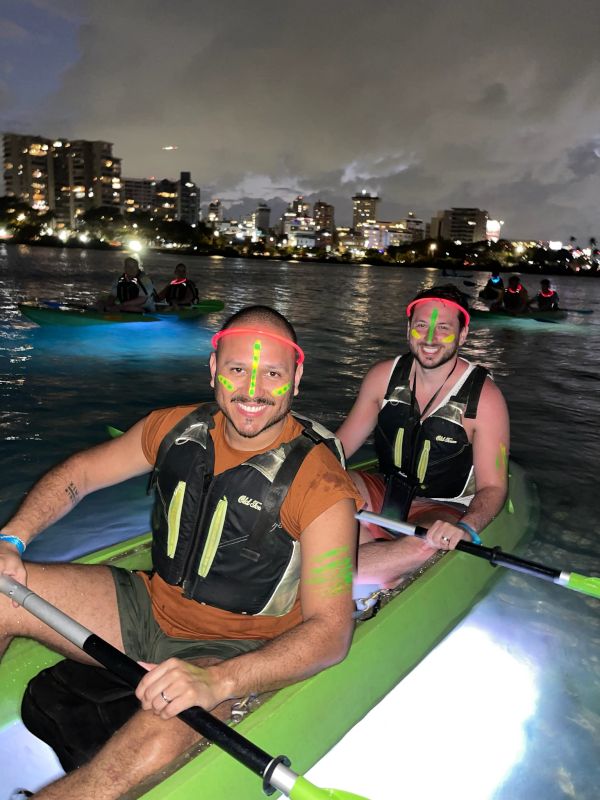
[
  {"x": 55, "y": 313},
  {"x": 535, "y": 315}
]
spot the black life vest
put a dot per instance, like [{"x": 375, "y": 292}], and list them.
[
  {"x": 493, "y": 289},
  {"x": 431, "y": 457},
  {"x": 220, "y": 537},
  {"x": 129, "y": 288},
  {"x": 177, "y": 290},
  {"x": 513, "y": 299},
  {"x": 548, "y": 301}
]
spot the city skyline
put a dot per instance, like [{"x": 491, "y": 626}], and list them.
[{"x": 430, "y": 106}]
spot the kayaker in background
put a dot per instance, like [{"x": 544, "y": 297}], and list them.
[
  {"x": 494, "y": 288},
  {"x": 516, "y": 298},
  {"x": 181, "y": 291},
  {"x": 133, "y": 290},
  {"x": 270, "y": 608},
  {"x": 547, "y": 298},
  {"x": 441, "y": 436}
]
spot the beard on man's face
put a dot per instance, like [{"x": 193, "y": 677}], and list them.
[{"x": 282, "y": 413}]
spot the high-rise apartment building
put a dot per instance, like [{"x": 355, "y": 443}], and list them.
[
  {"x": 465, "y": 225},
  {"x": 215, "y": 212},
  {"x": 29, "y": 170},
  {"x": 299, "y": 207},
  {"x": 163, "y": 199},
  {"x": 95, "y": 176},
  {"x": 324, "y": 216},
  {"x": 139, "y": 194},
  {"x": 188, "y": 200},
  {"x": 165, "y": 203},
  {"x": 66, "y": 177},
  {"x": 364, "y": 208},
  {"x": 262, "y": 218}
]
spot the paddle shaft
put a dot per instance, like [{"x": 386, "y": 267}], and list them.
[
  {"x": 495, "y": 556},
  {"x": 228, "y": 739}
]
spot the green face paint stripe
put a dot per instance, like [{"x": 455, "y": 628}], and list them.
[
  {"x": 281, "y": 390},
  {"x": 335, "y": 552},
  {"x": 432, "y": 322},
  {"x": 336, "y": 574},
  {"x": 255, "y": 363},
  {"x": 226, "y": 383},
  {"x": 502, "y": 459}
]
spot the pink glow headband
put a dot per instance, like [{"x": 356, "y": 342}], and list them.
[
  {"x": 230, "y": 331},
  {"x": 443, "y": 300}
]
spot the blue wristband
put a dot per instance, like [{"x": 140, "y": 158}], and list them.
[
  {"x": 471, "y": 531},
  {"x": 18, "y": 543}
]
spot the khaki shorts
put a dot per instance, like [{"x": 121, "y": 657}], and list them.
[{"x": 144, "y": 640}]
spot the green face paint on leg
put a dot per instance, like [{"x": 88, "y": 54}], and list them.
[
  {"x": 281, "y": 390},
  {"x": 255, "y": 363},
  {"x": 432, "y": 323},
  {"x": 225, "y": 383}
]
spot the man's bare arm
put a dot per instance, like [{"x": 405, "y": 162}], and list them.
[
  {"x": 60, "y": 489},
  {"x": 362, "y": 418}
]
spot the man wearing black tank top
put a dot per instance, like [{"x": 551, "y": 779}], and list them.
[{"x": 441, "y": 434}]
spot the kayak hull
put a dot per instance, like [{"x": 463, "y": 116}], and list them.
[
  {"x": 57, "y": 314},
  {"x": 305, "y": 720},
  {"x": 478, "y": 315}
]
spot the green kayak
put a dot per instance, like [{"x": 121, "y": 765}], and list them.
[
  {"x": 55, "y": 313},
  {"x": 306, "y": 720},
  {"x": 533, "y": 315}
]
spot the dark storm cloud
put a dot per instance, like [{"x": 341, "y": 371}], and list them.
[{"x": 431, "y": 104}]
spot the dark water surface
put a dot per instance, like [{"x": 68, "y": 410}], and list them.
[{"x": 536, "y": 699}]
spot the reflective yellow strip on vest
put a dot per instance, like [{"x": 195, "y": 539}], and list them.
[
  {"x": 174, "y": 517},
  {"x": 423, "y": 461},
  {"x": 214, "y": 537},
  {"x": 398, "y": 447}
]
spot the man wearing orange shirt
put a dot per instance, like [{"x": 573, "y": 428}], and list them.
[{"x": 254, "y": 542}]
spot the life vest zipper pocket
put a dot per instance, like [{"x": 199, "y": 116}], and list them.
[
  {"x": 174, "y": 518},
  {"x": 213, "y": 538}
]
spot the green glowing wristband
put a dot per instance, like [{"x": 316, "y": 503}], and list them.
[
  {"x": 471, "y": 531},
  {"x": 18, "y": 543}
]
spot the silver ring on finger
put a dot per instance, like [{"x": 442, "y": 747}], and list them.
[{"x": 165, "y": 698}]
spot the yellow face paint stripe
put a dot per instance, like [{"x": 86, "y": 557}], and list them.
[
  {"x": 281, "y": 390},
  {"x": 255, "y": 362},
  {"x": 225, "y": 383},
  {"x": 415, "y": 334}
]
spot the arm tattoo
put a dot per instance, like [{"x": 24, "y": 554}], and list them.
[{"x": 73, "y": 493}]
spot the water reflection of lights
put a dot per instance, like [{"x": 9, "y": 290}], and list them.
[{"x": 454, "y": 727}]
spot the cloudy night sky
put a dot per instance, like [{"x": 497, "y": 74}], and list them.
[{"x": 429, "y": 104}]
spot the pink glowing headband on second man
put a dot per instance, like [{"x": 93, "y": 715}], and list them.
[
  {"x": 257, "y": 331},
  {"x": 443, "y": 300}
]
